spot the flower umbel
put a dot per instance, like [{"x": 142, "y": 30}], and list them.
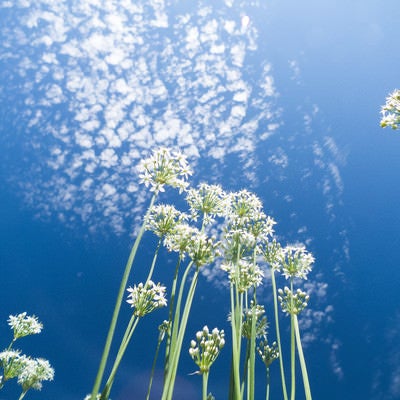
[
  {"x": 267, "y": 353},
  {"x": 163, "y": 218},
  {"x": 293, "y": 303},
  {"x": 145, "y": 299},
  {"x": 205, "y": 349},
  {"x": 391, "y": 111},
  {"x": 296, "y": 262},
  {"x": 24, "y": 325},
  {"x": 164, "y": 167},
  {"x": 34, "y": 373}
]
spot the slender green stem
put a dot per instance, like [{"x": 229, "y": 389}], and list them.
[
  {"x": 124, "y": 344},
  {"x": 153, "y": 263},
  {"x": 252, "y": 359},
  {"x": 22, "y": 395},
  {"x": 170, "y": 313},
  {"x": 153, "y": 367},
  {"x": 118, "y": 303},
  {"x": 278, "y": 335},
  {"x": 177, "y": 347},
  {"x": 292, "y": 346},
  {"x": 205, "y": 383},
  {"x": 268, "y": 385},
  {"x": 303, "y": 366}
]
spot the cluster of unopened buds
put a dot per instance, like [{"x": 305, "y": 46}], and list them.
[
  {"x": 205, "y": 349},
  {"x": 292, "y": 303}
]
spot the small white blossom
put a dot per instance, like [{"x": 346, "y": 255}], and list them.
[
  {"x": 145, "y": 299},
  {"x": 205, "y": 349},
  {"x": 164, "y": 167},
  {"x": 12, "y": 363},
  {"x": 34, "y": 373},
  {"x": 24, "y": 325},
  {"x": 391, "y": 111},
  {"x": 163, "y": 218},
  {"x": 297, "y": 262}
]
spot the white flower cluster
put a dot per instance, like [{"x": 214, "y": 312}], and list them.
[
  {"x": 291, "y": 303},
  {"x": 210, "y": 201},
  {"x": 164, "y": 168},
  {"x": 29, "y": 371},
  {"x": 296, "y": 262},
  {"x": 391, "y": 111},
  {"x": 163, "y": 218},
  {"x": 146, "y": 298},
  {"x": 205, "y": 349},
  {"x": 268, "y": 353},
  {"x": 255, "y": 312},
  {"x": 24, "y": 325}
]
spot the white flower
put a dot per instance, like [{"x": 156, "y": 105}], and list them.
[
  {"x": 163, "y": 218},
  {"x": 24, "y": 325},
  {"x": 164, "y": 168},
  {"x": 205, "y": 349},
  {"x": 391, "y": 110},
  {"x": 296, "y": 262},
  {"x": 146, "y": 299},
  {"x": 268, "y": 353},
  {"x": 34, "y": 372}
]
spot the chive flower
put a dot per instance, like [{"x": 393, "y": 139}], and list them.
[{"x": 24, "y": 325}]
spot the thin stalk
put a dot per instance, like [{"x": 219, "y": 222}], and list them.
[
  {"x": 303, "y": 366},
  {"x": 252, "y": 359},
  {"x": 22, "y": 395},
  {"x": 124, "y": 344},
  {"x": 153, "y": 263},
  {"x": 118, "y": 303},
  {"x": 153, "y": 367},
  {"x": 268, "y": 385},
  {"x": 278, "y": 336},
  {"x": 170, "y": 313},
  {"x": 205, "y": 383},
  {"x": 292, "y": 347},
  {"x": 176, "y": 350}
]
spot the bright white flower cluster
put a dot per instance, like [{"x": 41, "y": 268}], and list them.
[
  {"x": 296, "y": 262},
  {"x": 244, "y": 274},
  {"x": 31, "y": 372},
  {"x": 209, "y": 201},
  {"x": 164, "y": 167},
  {"x": 206, "y": 348},
  {"x": 146, "y": 298},
  {"x": 24, "y": 325},
  {"x": 268, "y": 353},
  {"x": 391, "y": 111},
  {"x": 291, "y": 303},
  {"x": 163, "y": 218},
  {"x": 34, "y": 373}
]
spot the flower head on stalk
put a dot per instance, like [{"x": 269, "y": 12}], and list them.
[
  {"x": 146, "y": 298},
  {"x": 205, "y": 349},
  {"x": 34, "y": 373},
  {"x": 291, "y": 303},
  {"x": 296, "y": 262},
  {"x": 24, "y": 325},
  {"x": 12, "y": 363},
  {"x": 268, "y": 353},
  {"x": 273, "y": 254},
  {"x": 164, "y": 167},
  {"x": 163, "y": 218},
  {"x": 207, "y": 200},
  {"x": 255, "y": 311},
  {"x": 244, "y": 274},
  {"x": 391, "y": 111}
]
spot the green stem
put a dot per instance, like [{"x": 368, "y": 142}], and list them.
[
  {"x": 268, "y": 385},
  {"x": 22, "y": 395},
  {"x": 153, "y": 367},
  {"x": 205, "y": 383},
  {"x": 118, "y": 303},
  {"x": 278, "y": 335},
  {"x": 292, "y": 346},
  {"x": 303, "y": 366},
  {"x": 251, "y": 379},
  {"x": 177, "y": 347},
  {"x": 124, "y": 344}
]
